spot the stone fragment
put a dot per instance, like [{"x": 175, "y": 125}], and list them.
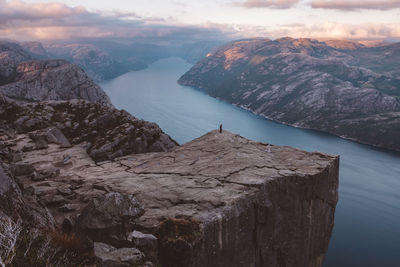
[
  {"x": 104, "y": 217},
  {"x": 29, "y": 147},
  {"x": 109, "y": 256},
  {"x": 54, "y": 135},
  {"x": 147, "y": 243},
  {"x": 65, "y": 191},
  {"x": 142, "y": 240}
]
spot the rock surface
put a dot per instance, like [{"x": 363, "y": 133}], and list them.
[
  {"x": 220, "y": 200},
  {"x": 52, "y": 80},
  {"x": 106, "y": 132},
  {"x": 109, "y": 256},
  {"x": 340, "y": 87}
]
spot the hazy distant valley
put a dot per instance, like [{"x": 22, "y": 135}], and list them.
[{"x": 104, "y": 60}]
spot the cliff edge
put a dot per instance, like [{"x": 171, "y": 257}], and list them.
[{"x": 219, "y": 200}]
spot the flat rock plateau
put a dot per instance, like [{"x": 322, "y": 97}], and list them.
[{"x": 220, "y": 200}]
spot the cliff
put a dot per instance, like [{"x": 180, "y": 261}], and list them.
[
  {"x": 343, "y": 88},
  {"x": 39, "y": 80},
  {"x": 220, "y": 200}
]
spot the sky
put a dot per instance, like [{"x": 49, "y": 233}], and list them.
[{"x": 198, "y": 20}]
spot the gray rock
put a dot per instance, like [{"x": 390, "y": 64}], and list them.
[
  {"x": 103, "y": 218},
  {"x": 109, "y": 256},
  {"x": 52, "y": 80},
  {"x": 108, "y": 133},
  {"x": 64, "y": 191},
  {"x": 54, "y": 135},
  {"x": 147, "y": 243},
  {"x": 142, "y": 240}
]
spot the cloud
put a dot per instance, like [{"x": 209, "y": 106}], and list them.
[
  {"x": 51, "y": 21},
  {"x": 18, "y": 10},
  {"x": 339, "y": 31},
  {"x": 280, "y": 4},
  {"x": 356, "y": 4}
]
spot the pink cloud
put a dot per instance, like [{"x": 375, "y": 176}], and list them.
[
  {"x": 341, "y": 31},
  {"x": 18, "y": 10},
  {"x": 268, "y": 3},
  {"x": 356, "y": 4}
]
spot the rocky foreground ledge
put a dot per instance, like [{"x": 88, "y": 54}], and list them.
[{"x": 219, "y": 200}]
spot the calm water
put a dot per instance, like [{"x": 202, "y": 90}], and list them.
[{"x": 367, "y": 225}]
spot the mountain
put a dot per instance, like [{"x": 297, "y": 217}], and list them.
[
  {"x": 98, "y": 63},
  {"x": 343, "y": 88},
  {"x": 39, "y": 80},
  {"x": 104, "y": 60},
  {"x": 36, "y": 49},
  {"x": 11, "y": 54}
]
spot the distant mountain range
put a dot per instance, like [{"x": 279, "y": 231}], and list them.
[
  {"x": 342, "y": 87},
  {"x": 104, "y": 60}
]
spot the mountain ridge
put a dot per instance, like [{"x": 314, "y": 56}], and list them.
[{"x": 309, "y": 84}]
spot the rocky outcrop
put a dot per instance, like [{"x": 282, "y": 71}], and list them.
[
  {"x": 220, "y": 200},
  {"x": 109, "y": 256},
  {"x": 105, "y": 132},
  {"x": 343, "y": 88},
  {"x": 52, "y": 80}
]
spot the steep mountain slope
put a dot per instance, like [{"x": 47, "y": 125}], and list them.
[
  {"x": 309, "y": 84},
  {"x": 39, "y": 80},
  {"x": 26, "y": 79}
]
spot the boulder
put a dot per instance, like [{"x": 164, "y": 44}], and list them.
[
  {"x": 109, "y": 216},
  {"x": 54, "y": 135},
  {"x": 147, "y": 243},
  {"x": 109, "y": 256}
]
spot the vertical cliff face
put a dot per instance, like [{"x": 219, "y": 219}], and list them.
[{"x": 234, "y": 202}]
